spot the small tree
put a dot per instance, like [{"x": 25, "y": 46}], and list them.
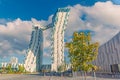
[
  {"x": 82, "y": 52},
  {"x": 62, "y": 67},
  {"x": 21, "y": 68},
  {"x": 3, "y": 68},
  {"x": 9, "y": 68}
]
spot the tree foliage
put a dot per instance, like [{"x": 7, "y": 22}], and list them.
[
  {"x": 9, "y": 68},
  {"x": 21, "y": 68},
  {"x": 62, "y": 67},
  {"x": 82, "y": 51},
  {"x": 12, "y": 69}
]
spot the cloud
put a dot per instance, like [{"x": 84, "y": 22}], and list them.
[
  {"x": 42, "y": 22},
  {"x": 4, "y": 21},
  {"x": 102, "y": 18},
  {"x": 105, "y": 13},
  {"x": 15, "y": 35}
]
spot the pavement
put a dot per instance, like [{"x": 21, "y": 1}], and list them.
[{"x": 38, "y": 77}]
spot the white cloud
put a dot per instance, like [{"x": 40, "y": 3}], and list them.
[
  {"x": 43, "y": 23},
  {"x": 15, "y": 35},
  {"x": 4, "y": 21},
  {"x": 105, "y": 13},
  {"x": 102, "y": 18}
]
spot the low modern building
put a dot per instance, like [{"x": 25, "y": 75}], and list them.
[
  {"x": 46, "y": 68},
  {"x": 4, "y": 64},
  {"x": 109, "y": 55},
  {"x": 14, "y": 66}
]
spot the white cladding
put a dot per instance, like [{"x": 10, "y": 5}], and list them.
[
  {"x": 34, "y": 54},
  {"x": 30, "y": 62},
  {"x": 58, "y": 37},
  {"x": 33, "y": 61}
]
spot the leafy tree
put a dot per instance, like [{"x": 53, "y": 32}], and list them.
[
  {"x": 82, "y": 52},
  {"x": 62, "y": 67},
  {"x": 9, "y": 68},
  {"x": 21, "y": 68},
  {"x": 3, "y": 69}
]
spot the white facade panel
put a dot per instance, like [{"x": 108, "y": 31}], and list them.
[
  {"x": 34, "y": 54},
  {"x": 58, "y": 44}
]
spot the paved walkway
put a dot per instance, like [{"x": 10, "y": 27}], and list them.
[{"x": 38, "y": 77}]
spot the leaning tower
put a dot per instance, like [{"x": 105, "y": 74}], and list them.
[
  {"x": 34, "y": 54},
  {"x": 60, "y": 20}
]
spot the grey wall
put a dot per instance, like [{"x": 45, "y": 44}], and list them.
[{"x": 109, "y": 53}]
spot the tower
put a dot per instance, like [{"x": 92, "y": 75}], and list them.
[
  {"x": 34, "y": 53},
  {"x": 59, "y": 23}
]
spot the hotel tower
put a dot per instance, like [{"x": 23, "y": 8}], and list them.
[{"x": 34, "y": 55}]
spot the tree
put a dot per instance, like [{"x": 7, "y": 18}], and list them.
[
  {"x": 9, "y": 68},
  {"x": 3, "y": 68},
  {"x": 62, "y": 67},
  {"x": 82, "y": 52},
  {"x": 21, "y": 68}
]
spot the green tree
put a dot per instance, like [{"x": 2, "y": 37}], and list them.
[
  {"x": 3, "y": 69},
  {"x": 21, "y": 68},
  {"x": 62, "y": 67},
  {"x": 82, "y": 51},
  {"x": 9, "y": 68}
]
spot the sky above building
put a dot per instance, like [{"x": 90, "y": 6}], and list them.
[
  {"x": 101, "y": 17},
  {"x": 38, "y": 9}
]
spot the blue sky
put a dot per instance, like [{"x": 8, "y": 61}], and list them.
[
  {"x": 16, "y": 16},
  {"x": 39, "y": 9}
]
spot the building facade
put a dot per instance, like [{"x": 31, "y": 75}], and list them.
[
  {"x": 34, "y": 56},
  {"x": 109, "y": 54},
  {"x": 34, "y": 53},
  {"x": 60, "y": 21}
]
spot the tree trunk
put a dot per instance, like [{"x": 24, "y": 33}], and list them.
[
  {"x": 82, "y": 73},
  {"x": 94, "y": 76},
  {"x": 74, "y": 75},
  {"x": 85, "y": 75}
]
